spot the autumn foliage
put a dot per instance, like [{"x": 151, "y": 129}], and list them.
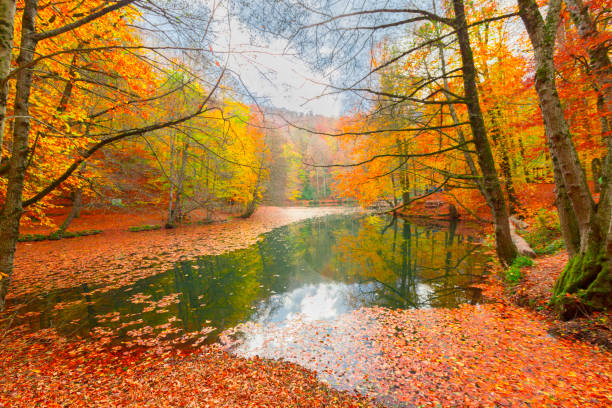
[{"x": 132, "y": 112}]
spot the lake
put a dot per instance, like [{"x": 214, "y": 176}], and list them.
[{"x": 315, "y": 270}]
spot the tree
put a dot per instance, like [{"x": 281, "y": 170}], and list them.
[
  {"x": 7, "y": 18},
  {"x": 587, "y": 274},
  {"x": 78, "y": 21},
  {"x": 312, "y": 29}
]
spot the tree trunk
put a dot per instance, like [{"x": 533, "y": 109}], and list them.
[
  {"x": 75, "y": 210},
  {"x": 506, "y": 250},
  {"x": 506, "y": 169},
  {"x": 11, "y": 211},
  {"x": 252, "y": 205},
  {"x": 598, "y": 55},
  {"x": 169, "y": 223},
  {"x": 180, "y": 190},
  {"x": 542, "y": 37},
  {"x": 587, "y": 275},
  {"x": 567, "y": 218},
  {"x": 7, "y": 22}
]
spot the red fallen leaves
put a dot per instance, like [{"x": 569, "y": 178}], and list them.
[
  {"x": 534, "y": 291},
  {"x": 488, "y": 355},
  {"x": 537, "y": 281},
  {"x": 118, "y": 257},
  {"x": 473, "y": 356},
  {"x": 42, "y": 370}
]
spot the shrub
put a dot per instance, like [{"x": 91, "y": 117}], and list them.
[
  {"x": 513, "y": 273},
  {"x": 54, "y": 236},
  {"x": 144, "y": 228},
  {"x": 551, "y": 248}
]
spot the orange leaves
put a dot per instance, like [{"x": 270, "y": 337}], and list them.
[
  {"x": 487, "y": 355},
  {"x": 118, "y": 250},
  {"x": 45, "y": 371},
  {"x": 77, "y": 75},
  {"x": 493, "y": 354}
]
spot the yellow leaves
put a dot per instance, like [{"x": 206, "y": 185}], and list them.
[{"x": 70, "y": 87}]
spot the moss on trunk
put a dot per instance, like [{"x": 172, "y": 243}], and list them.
[{"x": 587, "y": 276}]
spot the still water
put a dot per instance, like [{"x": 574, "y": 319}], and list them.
[{"x": 314, "y": 270}]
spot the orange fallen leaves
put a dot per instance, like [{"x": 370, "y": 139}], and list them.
[
  {"x": 487, "y": 355},
  {"x": 44, "y": 370},
  {"x": 117, "y": 258}
]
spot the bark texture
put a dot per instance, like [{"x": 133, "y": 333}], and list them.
[
  {"x": 252, "y": 205},
  {"x": 11, "y": 211},
  {"x": 567, "y": 218},
  {"x": 7, "y": 23},
  {"x": 75, "y": 210},
  {"x": 586, "y": 282},
  {"x": 506, "y": 250}
]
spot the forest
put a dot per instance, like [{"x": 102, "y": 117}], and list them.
[{"x": 310, "y": 203}]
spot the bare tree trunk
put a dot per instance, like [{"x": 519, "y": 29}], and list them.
[
  {"x": 403, "y": 176},
  {"x": 598, "y": 55},
  {"x": 506, "y": 250},
  {"x": 506, "y": 169},
  {"x": 599, "y": 61},
  {"x": 180, "y": 188},
  {"x": 11, "y": 211},
  {"x": 460, "y": 136},
  {"x": 567, "y": 218},
  {"x": 171, "y": 180},
  {"x": 252, "y": 205},
  {"x": 7, "y": 22},
  {"x": 542, "y": 35}
]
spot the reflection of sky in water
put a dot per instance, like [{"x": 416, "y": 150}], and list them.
[
  {"x": 322, "y": 301},
  {"x": 311, "y": 326},
  {"x": 311, "y": 273},
  {"x": 298, "y": 294}
]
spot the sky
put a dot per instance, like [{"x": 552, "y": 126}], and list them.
[{"x": 275, "y": 76}]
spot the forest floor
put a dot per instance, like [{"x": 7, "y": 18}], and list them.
[
  {"x": 533, "y": 292},
  {"x": 494, "y": 354}
]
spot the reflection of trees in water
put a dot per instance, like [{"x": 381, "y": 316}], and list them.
[
  {"x": 411, "y": 266},
  {"x": 398, "y": 264}
]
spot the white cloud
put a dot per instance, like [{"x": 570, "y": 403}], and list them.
[{"x": 272, "y": 74}]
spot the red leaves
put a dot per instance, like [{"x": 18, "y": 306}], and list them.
[
  {"x": 45, "y": 266},
  {"x": 487, "y": 355},
  {"x": 42, "y": 370}
]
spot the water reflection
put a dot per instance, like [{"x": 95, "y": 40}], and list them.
[{"x": 314, "y": 270}]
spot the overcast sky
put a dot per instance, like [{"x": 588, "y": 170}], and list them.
[{"x": 275, "y": 76}]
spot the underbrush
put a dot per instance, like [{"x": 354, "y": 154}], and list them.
[
  {"x": 137, "y": 228},
  {"x": 513, "y": 273},
  {"x": 54, "y": 236},
  {"x": 545, "y": 233}
]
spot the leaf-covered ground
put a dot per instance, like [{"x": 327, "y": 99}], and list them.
[
  {"x": 118, "y": 257},
  {"x": 533, "y": 292},
  {"x": 492, "y": 355},
  {"x": 43, "y": 370}
]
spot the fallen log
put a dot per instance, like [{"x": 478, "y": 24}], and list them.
[{"x": 522, "y": 246}]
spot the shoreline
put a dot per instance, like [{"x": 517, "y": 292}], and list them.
[{"x": 126, "y": 257}]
